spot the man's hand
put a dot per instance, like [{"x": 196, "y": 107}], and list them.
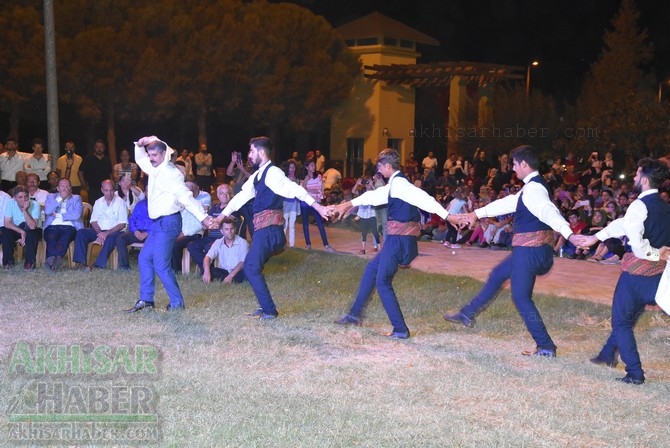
[
  {"x": 583, "y": 241},
  {"x": 140, "y": 235},
  {"x": 664, "y": 253},
  {"x": 207, "y": 276},
  {"x": 69, "y": 162},
  {"x": 321, "y": 210},
  {"x": 337, "y": 212},
  {"x": 457, "y": 220},
  {"x": 102, "y": 236},
  {"x": 228, "y": 279},
  {"x": 208, "y": 222},
  {"x": 144, "y": 141},
  {"x": 22, "y": 239}
]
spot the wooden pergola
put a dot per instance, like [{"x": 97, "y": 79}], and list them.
[{"x": 440, "y": 74}]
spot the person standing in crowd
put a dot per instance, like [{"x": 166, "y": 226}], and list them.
[
  {"x": 67, "y": 166},
  {"x": 269, "y": 186},
  {"x": 314, "y": 186},
  {"x": 535, "y": 220},
  {"x": 38, "y": 163},
  {"x": 240, "y": 173},
  {"x": 400, "y": 247},
  {"x": 291, "y": 207},
  {"x": 646, "y": 226},
  {"x": 63, "y": 211},
  {"x": 203, "y": 169},
  {"x": 167, "y": 195},
  {"x": 11, "y": 162},
  {"x": 95, "y": 169}
]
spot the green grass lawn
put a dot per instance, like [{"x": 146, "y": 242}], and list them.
[{"x": 226, "y": 380}]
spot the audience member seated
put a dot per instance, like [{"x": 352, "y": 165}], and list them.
[
  {"x": 52, "y": 179},
  {"x": 108, "y": 219},
  {"x": 63, "y": 212},
  {"x": 129, "y": 193},
  {"x": 230, "y": 252},
  {"x": 199, "y": 248},
  {"x": 139, "y": 225},
  {"x": 21, "y": 216},
  {"x": 34, "y": 191},
  {"x": 478, "y": 235},
  {"x": 191, "y": 228},
  {"x": 577, "y": 226}
]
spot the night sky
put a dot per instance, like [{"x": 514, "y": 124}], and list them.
[{"x": 564, "y": 35}]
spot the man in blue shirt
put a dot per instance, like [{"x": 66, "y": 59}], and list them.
[{"x": 139, "y": 225}]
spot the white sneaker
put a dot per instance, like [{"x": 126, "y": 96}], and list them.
[
  {"x": 455, "y": 246},
  {"x": 329, "y": 249},
  {"x": 447, "y": 244}
]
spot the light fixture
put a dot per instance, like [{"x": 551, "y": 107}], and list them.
[
  {"x": 412, "y": 132},
  {"x": 385, "y": 132},
  {"x": 528, "y": 67}
]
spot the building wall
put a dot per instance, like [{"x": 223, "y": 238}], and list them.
[{"x": 374, "y": 106}]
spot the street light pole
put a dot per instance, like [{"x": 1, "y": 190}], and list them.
[{"x": 528, "y": 67}]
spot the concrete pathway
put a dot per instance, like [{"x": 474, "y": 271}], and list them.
[{"x": 577, "y": 279}]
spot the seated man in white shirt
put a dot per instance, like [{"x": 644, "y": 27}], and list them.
[
  {"x": 191, "y": 228},
  {"x": 230, "y": 251},
  {"x": 108, "y": 219}
]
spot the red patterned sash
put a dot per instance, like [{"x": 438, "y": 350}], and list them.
[
  {"x": 409, "y": 228},
  {"x": 533, "y": 239},
  {"x": 637, "y": 266},
  {"x": 268, "y": 218}
]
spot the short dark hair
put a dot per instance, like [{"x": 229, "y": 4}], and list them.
[
  {"x": 157, "y": 145},
  {"x": 390, "y": 156},
  {"x": 37, "y": 141},
  {"x": 19, "y": 189},
  {"x": 654, "y": 170},
  {"x": 263, "y": 143},
  {"x": 11, "y": 139},
  {"x": 526, "y": 153}
]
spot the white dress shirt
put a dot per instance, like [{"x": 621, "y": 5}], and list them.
[
  {"x": 166, "y": 191},
  {"x": 402, "y": 189},
  {"x": 275, "y": 180},
  {"x": 536, "y": 199},
  {"x": 109, "y": 215}
]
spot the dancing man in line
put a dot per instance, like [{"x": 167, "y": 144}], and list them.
[
  {"x": 403, "y": 228},
  {"x": 535, "y": 219},
  {"x": 268, "y": 186},
  {"x": 167, "y": 195},
  {"x": 646, "y": 226}
]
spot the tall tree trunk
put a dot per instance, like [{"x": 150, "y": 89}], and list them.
[
  {"x": 202, "y": 125},
  {"x": 111, "y": 133},
  {"x": 14, "y": 120}
]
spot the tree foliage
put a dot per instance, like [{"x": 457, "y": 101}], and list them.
[{"x": 617, "y": 97}]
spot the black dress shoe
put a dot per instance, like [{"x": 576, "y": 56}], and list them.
[
  {"x": 174, "y": 308},
  {"x": 398, "y": 334},
  {"x": 544, "y": 352},
  {"x": 349, "y": 319},
  {"x": 140, "y": 305},
  {"x": 630, "y": 380},
  {"x": 460, "y": 318},
  {"x": 599, "y": 360}
]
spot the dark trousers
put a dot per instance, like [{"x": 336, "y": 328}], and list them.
[
  {"x": 154, "y": 260},
  {"x": 631, "y": 295},
  {"x": 219, "y": 274},
  {"x": 379, "y": 274},
  {"x": 305, "y": 211},
  {"x": 521, "y": 267},
  {"x": 369, "y": 225},
  {"x": 199, "y": 248},
  {"x": 58, "y": 238},
  {"x": 9, "y": 238},
  {"x": 267, "y": 241},
  {"x": 247, "y": 212},
  {"x": 122, "y": 242},
  {"x": 84, "y": 238},
  {"x": 178, "y": 249}
]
